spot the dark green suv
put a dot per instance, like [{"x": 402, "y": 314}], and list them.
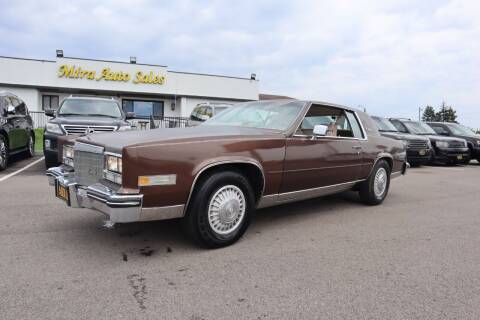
[{"x": 16, "y": 128}]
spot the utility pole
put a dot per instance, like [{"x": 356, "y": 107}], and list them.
[{"x": 420, "y": 113}]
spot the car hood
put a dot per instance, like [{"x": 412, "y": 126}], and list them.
[
  {"x": 442, "y": 138},
  {"x": 470, "y": 137},
  {"x": 116, "y": 141},
  {"x": 89, "y": 121},
  {"x": 402, "y": 136}
]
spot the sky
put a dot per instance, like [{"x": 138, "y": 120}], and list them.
[{"x": 389, "y": 57}]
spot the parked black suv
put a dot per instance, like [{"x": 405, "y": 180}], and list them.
[
  {"x": 82, "y": 115},
  {"x": 418, "y": 147},
  {"x": 445, "y": 150},
  {"x": 459, "y": 131},
  {"x": 16, "y": 128}
]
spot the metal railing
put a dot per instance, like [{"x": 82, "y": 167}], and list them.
[
  {"x": 40, "y": 119},
  {"x": 163, "y": 122}
]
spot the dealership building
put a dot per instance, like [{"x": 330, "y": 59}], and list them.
[{"x": 145, "y": 89}]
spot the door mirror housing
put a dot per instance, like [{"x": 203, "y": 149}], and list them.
[
  {"x": 50, "y": 113},
  {"x": 320, "y": 130},
  {"x": 129, "y": 115}
]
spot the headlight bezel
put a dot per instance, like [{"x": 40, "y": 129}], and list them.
[
  {"x": 68, "y": 155},
  {"x": 113, "y": 167},
  {"x": 53, "y": 128}
]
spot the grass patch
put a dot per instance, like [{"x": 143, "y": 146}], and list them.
[{"x": 39, "y": 139}]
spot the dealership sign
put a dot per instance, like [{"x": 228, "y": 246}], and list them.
[{"x": 73, "y": 72}]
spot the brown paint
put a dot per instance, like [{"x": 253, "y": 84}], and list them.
[{"x": 289, "y": 163}]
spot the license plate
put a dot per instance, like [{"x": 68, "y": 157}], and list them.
[
  {"x": 62, "y": 193},
  {"x": 459, "y": 157},
  {"x": 422, "y": 152}
]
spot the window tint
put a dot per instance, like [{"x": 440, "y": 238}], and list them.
[
  {"x": 357, "y": 131},
  {"x": 20, "y": 109},
  {"x": 400, "y": 127},
  {"x": 439, "y": 130}
]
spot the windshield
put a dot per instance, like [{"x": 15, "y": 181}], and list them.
[
  {"x": 259, "y": 114},
  {"x": 459, "y": 130},
  {"x": 84, "y": 107},
  {"x": 384, "y": 125},
  {"x": 416, "y": 127}
]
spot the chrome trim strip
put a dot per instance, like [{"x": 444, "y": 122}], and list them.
[
  {"x": 108, "y": 153},
  {"x": 220, "y": 163},
  {"x": 281, "y": 198},
  {"x": 162, "y": 213},
  {"x": 362, "y": 128},
  {"x": 80, "y": 146}
]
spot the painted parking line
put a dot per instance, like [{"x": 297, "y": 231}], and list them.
[{"x": 31, "y": 164}]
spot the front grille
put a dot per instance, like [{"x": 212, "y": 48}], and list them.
[
  {"x": 88, "y": 163},
  {"x": 76, "y": 129},
  {"x": 417, "y": 144},
  {"x": 456, "y": 144}
]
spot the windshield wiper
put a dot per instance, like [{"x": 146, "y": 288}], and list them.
[{"x": 70, "y": 114}]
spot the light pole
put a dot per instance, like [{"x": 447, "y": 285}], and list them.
[{"x": 420, "y": 109}]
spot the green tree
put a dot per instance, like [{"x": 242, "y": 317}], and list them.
[
  {"x": 429, "y": 114},
  {"x": 446, "y": 114}
]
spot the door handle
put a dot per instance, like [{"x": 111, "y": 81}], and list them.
[{"x": 357, "y": 147}]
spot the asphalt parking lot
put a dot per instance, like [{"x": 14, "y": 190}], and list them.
[{"x": 417, "y": 256}]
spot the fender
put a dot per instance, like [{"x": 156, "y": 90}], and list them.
[{"x": 220, "y": 161}]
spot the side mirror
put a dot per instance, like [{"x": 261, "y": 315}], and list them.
[
  {"x": 320, "y": 130},
  {"x": 50, "y": 113},
  {"x": 130, "y": 115},
  {"x": 10, "y": 110},
  {"x": 444, "y": 133}
]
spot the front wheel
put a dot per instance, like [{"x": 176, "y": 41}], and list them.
[
  {"x": 3, "y": 153},
  {"x": 375, "y": 189},
  {"x": 221, "y": 209}
]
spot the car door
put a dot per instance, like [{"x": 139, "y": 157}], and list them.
[
  {"x": 23, "y": 122},
  {"x": 320, "y": 162}
]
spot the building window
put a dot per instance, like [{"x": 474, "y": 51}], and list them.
[
  {"x": 49, "y": 102},
  {"x": 143, "y": 108}
]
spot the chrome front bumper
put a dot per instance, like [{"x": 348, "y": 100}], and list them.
[{"x": 120, "y": 208}]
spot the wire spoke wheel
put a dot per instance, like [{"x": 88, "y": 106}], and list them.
[
  {"x": 380, "y": 182},
  {"x": 3, "y": 153},
  {"x": 226, "y": 209}
]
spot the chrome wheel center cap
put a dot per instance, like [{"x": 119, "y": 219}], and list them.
[
  {"x": 226, "y": 209},
  {"x": 229, "y": 211}
]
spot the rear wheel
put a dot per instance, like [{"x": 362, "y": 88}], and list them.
[
  {"x": 221, "y": 209},
  {"x": 3, "y": 153},
  {"x": 31, "y": 146},
  {"x": 375, "y": 189}
]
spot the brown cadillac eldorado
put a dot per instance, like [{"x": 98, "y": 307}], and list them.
[{"x": 215, "y": 175}]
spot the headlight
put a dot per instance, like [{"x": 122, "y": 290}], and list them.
[
  {"x": 124, "y": 128},
  {"x": 54, "y": 128},
  {"x": 441, "y": 144},
  {"x": 114, "y": 163},
  {"x": 113, "y": 168},
  {"x": 478, "y": 142},
  {"x": 68, "y": 155}
]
